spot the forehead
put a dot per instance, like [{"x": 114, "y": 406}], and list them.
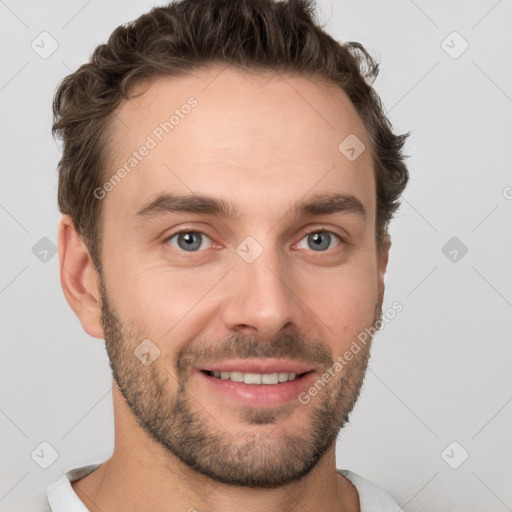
[{"x": 257, "y": 137}]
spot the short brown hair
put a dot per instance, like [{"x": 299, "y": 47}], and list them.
[{"x": 190, "y": 34}]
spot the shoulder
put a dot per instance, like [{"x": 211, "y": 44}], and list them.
[
  {"x": 372, "y": 498},
  {"x": 60, "y": 494}
]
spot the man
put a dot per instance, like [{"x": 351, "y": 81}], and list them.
[{"x": 226, "y": 185}]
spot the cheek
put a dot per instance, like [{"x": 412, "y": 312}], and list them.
[
  {"x": 167, "y": 304},
  {"x": 344, "y": 300}
]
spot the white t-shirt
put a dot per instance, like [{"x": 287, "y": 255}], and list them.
[{"x": 62, "y": 497}]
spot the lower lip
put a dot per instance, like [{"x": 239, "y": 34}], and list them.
[{"x": 259, "y": 395}]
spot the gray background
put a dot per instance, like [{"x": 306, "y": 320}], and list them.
[{"x": 440, "y": 371}]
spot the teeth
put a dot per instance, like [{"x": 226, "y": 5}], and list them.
[
  {"x": 236, "y": 376},
  {"x": 256, "y": 378},
  {"x": 269, "y": 378},
  {"x": 283, "y": 376},
  {"x": 252, "y": 378}
]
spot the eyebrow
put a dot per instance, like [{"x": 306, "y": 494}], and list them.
[{"x": 320, "y": 204}]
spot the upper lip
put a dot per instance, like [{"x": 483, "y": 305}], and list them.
[{"x": 258, "y": 366}]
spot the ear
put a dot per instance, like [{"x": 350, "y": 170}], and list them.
[
  {"x": 383, "y": 257},
  {"x": 79, "y": 279}
]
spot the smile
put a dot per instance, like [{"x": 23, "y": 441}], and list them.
[{"x": 255, "y": 378}]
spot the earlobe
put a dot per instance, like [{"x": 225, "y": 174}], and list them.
[{"x": 79, "y": 279}]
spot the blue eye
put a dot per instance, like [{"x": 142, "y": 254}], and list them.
[
  {"x": 189, "y": 241},
  {"x": 194, "y": 241},
  {"x": 319, "y": 240}
]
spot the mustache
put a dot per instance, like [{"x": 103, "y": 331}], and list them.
[{"x": 243, "y": 346}]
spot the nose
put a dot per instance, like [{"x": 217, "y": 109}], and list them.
[{"x": 260, "y": 300}]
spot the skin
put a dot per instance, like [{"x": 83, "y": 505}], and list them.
[{"x": 261, "y": 141}]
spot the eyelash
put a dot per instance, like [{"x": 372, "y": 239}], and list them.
[{"x": 311, "y": 232}]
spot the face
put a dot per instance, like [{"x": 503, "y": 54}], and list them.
[{"x": 239, "y": 262}]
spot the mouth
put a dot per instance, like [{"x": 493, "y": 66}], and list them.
[
  {"x": 256, "y": 383},
  {"x": 265, "y": 379}
]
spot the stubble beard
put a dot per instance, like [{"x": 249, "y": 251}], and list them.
[{"x": 262, "y": 455}]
